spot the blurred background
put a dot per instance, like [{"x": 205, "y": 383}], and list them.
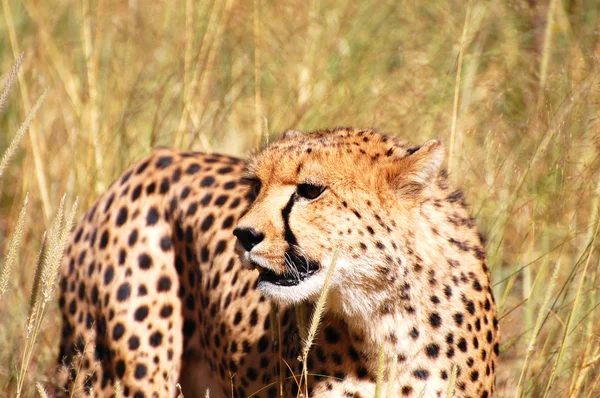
[{"x": 511, "y": 87}]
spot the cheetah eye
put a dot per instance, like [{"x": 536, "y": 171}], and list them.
[{"x": 309, "y": 191}]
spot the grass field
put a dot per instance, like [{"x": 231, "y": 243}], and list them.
[{"x": 512, "y": 88}]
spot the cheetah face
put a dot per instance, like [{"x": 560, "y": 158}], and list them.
[
  {"x": 320, "y": 194},
  {"x": 288, "y": 263}
]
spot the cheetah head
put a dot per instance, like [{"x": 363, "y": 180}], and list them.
[{"x": 348, "y": 191}]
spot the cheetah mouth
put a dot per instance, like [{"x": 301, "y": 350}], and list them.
[{"x": 298, "y": 270}]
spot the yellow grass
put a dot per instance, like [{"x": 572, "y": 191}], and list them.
[{"x": 511, "y": 87}]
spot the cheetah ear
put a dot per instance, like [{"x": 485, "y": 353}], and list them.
[
  {"x": 417, "y": 170},
  {"x": 291, "y": 134}
]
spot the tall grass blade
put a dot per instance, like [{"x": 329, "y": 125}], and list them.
[
  {"x": 13, "y": 249},
  {"x": 538, "y": 325},
  {"x": 41, "y": 390},
  {"x": 457, "y": 83},
  {"x": 315, "y": 321},
  {"x": 10, "y": 151},
  {"x": 452, "y": 382},
  {"x": 44, "y": 283},
  {"x": 10, "y": 81},
  {"x": 380, "y": 372},
  {"x": 572, "y": 313}
]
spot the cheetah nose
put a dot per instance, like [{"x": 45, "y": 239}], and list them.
[{"x": 248, "y": 237}]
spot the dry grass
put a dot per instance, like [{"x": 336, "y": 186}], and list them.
[{"x": 512, "y": 88}]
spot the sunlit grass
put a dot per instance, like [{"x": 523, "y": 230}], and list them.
[{"x": 511, "y": 87}]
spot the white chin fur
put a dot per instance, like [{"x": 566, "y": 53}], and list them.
[{"x": 307, "y": 290}]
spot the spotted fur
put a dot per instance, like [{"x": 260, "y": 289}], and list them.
[{"x": 153, "y": 291}]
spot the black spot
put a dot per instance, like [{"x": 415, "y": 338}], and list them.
[
  {"x": 164, "y": 161},
  {"x": 432, "y": 350},
  {"x": 470, "y": 306},
  {"x": 152, "y": 217},
  {"x": 166, "y": 311},
  {"x": 227, "y": 223},
  {"x": 229, "y": 185},
  {"x": 134, "y": 343},
  {"x": 251, "y": 374},
  {"x": 120, "y": 368},
  {"x": 140, "y": 371},
  {"x": 263, "y": 343},
  {"x": 80, "y": 261},
  {"x": 133, "y": 237},
  {"x": 221, "y": 246},
  {"x": 332, "y": 336},
  {"x": 192, "y": 168},
  {"x": 497, "y": 349},
  {"x": 72, "y": 307},
  {"x": 474, "y": 375},
  {"x": 124, "y": 291},
  {"x": 235, "y": 203},
  {"x": 207, "y": 181},
  {"x": 164, "y": 284},
  {"x": 122, "y": 256},
  {"x": 122, "y": 216},
  {"x": 109, "y": 202},
  {"x": 109, "y": 275},
  {"x": 164, "y": 185},
  {"x": 184, "y": 194},
  {"x": 421, "y": 374},
  {"x": 137, "y": 191},
  {"x": 191, "y": 210},
  {"x": 104, "y": 240},
  {"x": 150, "y": 188},
  {"x": 462, "y": 345},
  {"x": 458, "y": 318},
  {"x": 435, "y": 320},
  {"x": 118, "y": 331},
  {"x": 78, "y": 236},
  {"x": 253, "y": 318},
  {"x": 166, "y": 243},
  {"x": 156, "y": 339},
  {"x": 414, "y": 333},
  {"x": 141, "y": 313},
  {"x": 207, "y": 223},
  {"x": 224, "y": 170},
  {"x": 176, "y": 175},
  {"x": 144, "y": 261},
  {"x": 94, "y": 295},
  {"x": 220, "y": 201},
  {"x": 237, "y": 318}
]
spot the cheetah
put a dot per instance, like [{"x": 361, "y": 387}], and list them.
[{"x": 191, "y": 269}]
